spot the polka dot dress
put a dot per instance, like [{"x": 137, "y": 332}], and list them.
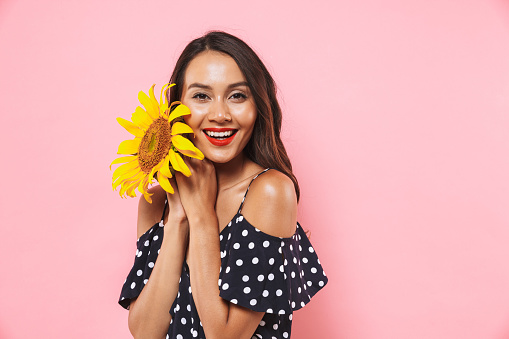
[{"x": 258, "y": 271}]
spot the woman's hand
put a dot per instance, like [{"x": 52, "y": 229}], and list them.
[
  {"x": 198, "y": 192},
  {"x": 176, "y": 210}
]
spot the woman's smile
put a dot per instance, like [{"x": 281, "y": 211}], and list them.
[{"x": 220, "y": 136}]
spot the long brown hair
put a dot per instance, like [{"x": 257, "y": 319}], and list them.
[{"x": 265, "y": 146}]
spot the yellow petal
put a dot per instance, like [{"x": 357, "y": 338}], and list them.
[
  {"x": 147, "y": 102},
  {"x": 131, "y": 184},
  {"x": 141, "y": 118},
  {"x": 147, "y": 197},
  {"x": 173, "y": 160},
  {"x": 123, "y": 178},
  {"x": 165, "y": 169},
  {"x": 180, "y": 128},
  {"x": 129, "y": 146},
  {"x": 186, "y": 147},
  {"x": 179, "y": 111},
  {"x": 164, "y": 90},
  {"x": 182, "y": 165},
  {"x": 130, "y": 127},
  {"x": 123, "y": 159},
  {"x": 123, "y": 169},
  {"x": 165, "y": 183}
]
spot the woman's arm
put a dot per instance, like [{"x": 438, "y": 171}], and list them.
[
  {"x": 149, "y": 314},
  {"x": 221, "y": 319}
]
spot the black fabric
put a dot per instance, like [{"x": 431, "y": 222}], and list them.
[{"x": 258, "y": 271}]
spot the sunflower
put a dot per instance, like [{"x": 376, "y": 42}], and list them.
[{"x": 157, "y": 148}]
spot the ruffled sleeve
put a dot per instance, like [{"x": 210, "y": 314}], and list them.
[
  {"x": 148, "y": 246},
  {"x": 266, "y": 273}
]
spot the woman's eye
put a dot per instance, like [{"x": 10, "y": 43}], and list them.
[
  {"x": 200, "y": 96},
  {"x": 238, "y": 96}
]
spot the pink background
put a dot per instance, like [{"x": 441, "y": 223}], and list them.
[{"x": 396, "y": 119}]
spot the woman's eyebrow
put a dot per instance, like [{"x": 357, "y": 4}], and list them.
[{"x": 230, "y": 86}]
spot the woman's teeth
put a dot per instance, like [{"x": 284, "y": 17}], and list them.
[{"x": 218, "y": 135}]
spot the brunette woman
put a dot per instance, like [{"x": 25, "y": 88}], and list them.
[{"x": 223, "y": 257}]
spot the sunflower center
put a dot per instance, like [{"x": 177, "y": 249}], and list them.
[{"x": 155, "y": 144}]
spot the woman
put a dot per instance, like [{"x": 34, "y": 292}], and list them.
[{"x": 218, "y": 275}]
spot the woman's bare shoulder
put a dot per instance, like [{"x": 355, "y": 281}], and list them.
[
  {"x": 271, "y": 204},
  {"x": 150, "y": 213}
]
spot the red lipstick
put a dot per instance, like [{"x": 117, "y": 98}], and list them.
[{"x": 220, "y": 141}]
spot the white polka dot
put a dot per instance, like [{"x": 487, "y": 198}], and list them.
[
  {"x": 244, "y": 233},
  {"x": 147, "y": 243},
  {"x": 139, "y": 254},
  {"x": 281, "y": 268},
  {"x": 305, "y": 260},
  {"x": 241, "y": 218},
  {"x": 183, "y": 321},
  {"x": 265, "y": 293},
  {"x": 291, "y": 247},
  {"x": 262, "y": 323},
  {"x": 177, "y": 308},
  {"x": 156, "y": 237},
  {"x": 285, "y": 334},
  {"x": 257, "y": 230},
  {"x": 275, "y": 326},
  {"x": 317, "y": 260},
  {"x": 293, "y": 304},
  {"x": 239, "y": 262},
  {"x": 234, "y": 301},
  {"x": 223, "y": 254},
  {"x": 266, "y": 243},
  {"x": 158, "y": 251},
  {"x": 269, "y": 310},
  {"x": 311, "y": 250},
  {"x": 324, "y": 273},
  {"x": 294, "y": 260},
  {"x": 151, "y": 264},
  {"x": 251, "y": 245},
  {"x": 299, "y": 289},
  {"x": 195, "y": 334},
  {"x": 133, "y": 285},
  {"x": 145, "y": 281},
  {"x": 236, "y": 246},
  {"x": 229, "y": 236},
  {"x": 261, "y": 277},
  {"x": 252, "y": 302},
  {"x": 179, "y": 336},
  {"x": 320, "y": 283},
  {"x": 245, "y": 278},
  {"x": 290, "y": 317},
  {"x": 293, "y": 274},
  {"x": 270, "y": 276},
  {"x": 300, "y": 248},
  {"x": 229, "y": 224},
  {"x": 220, "y": 237},
  {"x": 271, "y": 261},
  {"x": 302, "y": 273},
  {"x": 188, "y": 308},
  {"x": 302, "y": 304},
  {"x": 247, "y": 290},
  {"x": 309, "y": 283},
  {"x": 285, "y": 275},
  {"x": 139, "y": 272},
  {"x": 279, "y": 293},
  {"x": 313, "y": 270},
  {"x": 190, "y": 291},
  {"x": 227, "y": 269},
  {"x": 255, "y": 260},
  {"x": 281, "y": 312},
  {"x": 225, "y": 286},
  {"x": 282, "y": 243},
  {"x": 286, "y": 262}
]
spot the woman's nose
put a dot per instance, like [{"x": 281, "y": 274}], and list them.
[{"x": 219, "y": 112}]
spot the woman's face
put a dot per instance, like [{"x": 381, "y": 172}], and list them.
[{"x": 223, "y": 111}]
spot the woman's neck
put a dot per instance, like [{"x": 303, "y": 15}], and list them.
[{"x": 233, "y": 172}]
